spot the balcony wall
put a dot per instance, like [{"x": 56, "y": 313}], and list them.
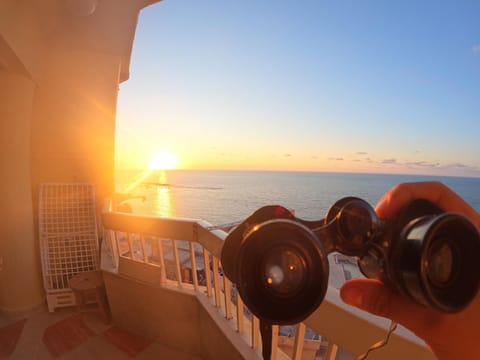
[{"x": 178, "y": 319}]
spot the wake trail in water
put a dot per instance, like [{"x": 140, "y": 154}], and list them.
[{"x": 194, "y": 187}]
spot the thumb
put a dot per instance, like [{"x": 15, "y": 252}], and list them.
[{"x": 376, "y": 298}]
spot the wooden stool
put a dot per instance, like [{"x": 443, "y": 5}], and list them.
[{"x": 88, "y": 284}]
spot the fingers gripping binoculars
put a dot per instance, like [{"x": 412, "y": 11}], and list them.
[{"x": 280, "y": 267}]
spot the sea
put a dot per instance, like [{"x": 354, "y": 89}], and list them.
[{"x": 225, "y": 197}]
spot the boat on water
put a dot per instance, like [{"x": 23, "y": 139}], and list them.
[{"x": 61, "y": 63}]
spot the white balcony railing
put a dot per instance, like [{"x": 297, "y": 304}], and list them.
[{"x": 185, "y": 253}]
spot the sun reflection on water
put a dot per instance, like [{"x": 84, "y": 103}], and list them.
[{"x": 162, "y": 204}]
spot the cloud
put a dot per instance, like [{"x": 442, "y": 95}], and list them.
[
  {"x": 389, "y": 161},
  {"x": 476, "y": 49},
  {"x": 458, "y": 165},
  {"x": 287, "y": 155},
  {"x": 362, "y": 153},
  {"x": 457, "y": 168},
  {"x": 227, "y": 154},
  {"x": 460, "y": 169},
  {"x": 422, "y": 164},
  {"x": 418, "y": 166}
]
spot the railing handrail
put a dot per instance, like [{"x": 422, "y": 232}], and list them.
[
  {"x": 329, "y": 319},
  {"x": 191, "y": 230}
]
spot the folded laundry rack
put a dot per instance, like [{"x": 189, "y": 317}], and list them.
[{"x": 68, "y": 237}]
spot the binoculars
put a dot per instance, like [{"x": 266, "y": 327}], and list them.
[{"x": 280, "y": 267}]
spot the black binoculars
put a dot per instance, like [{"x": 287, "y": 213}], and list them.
[{"x": 280, "y": 267}]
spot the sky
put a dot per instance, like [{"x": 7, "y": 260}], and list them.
[{"x": 350, "y": 86}]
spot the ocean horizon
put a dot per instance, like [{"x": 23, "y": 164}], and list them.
[{"x": 225, "y": 196}]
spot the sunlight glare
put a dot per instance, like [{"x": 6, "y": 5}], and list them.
[{"x": 163, "y": 160}]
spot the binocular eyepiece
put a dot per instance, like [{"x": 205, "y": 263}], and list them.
[{"x": 280, "y": 267}]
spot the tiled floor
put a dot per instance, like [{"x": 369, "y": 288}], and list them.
[{"x": 66, "y": 334}]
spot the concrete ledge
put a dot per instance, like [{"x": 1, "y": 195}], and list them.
[{"x": 141, "y": 271}]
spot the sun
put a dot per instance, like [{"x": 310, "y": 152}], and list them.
[{"x": 163, "y": 160}]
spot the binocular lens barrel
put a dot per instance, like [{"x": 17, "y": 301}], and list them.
[
  {"x": 435, "y": 261},
  {"x": 355, "y": 223},
  {"x": 282, "y": 271}
]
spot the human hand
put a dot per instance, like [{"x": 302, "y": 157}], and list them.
[{"x": 450, "y": 336}]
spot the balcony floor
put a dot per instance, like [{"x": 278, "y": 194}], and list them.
[{"x": 67, "y": 334}]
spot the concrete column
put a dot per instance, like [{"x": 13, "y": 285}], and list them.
[{"x": 20, "y": 270}]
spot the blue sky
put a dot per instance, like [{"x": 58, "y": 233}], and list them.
[{"x": 370, "y": 86}]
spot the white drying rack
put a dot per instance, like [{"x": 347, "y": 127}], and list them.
[{"x": 68, "y": 237}]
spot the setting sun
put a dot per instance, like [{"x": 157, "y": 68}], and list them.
[{"x": 163, "y": 160}]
